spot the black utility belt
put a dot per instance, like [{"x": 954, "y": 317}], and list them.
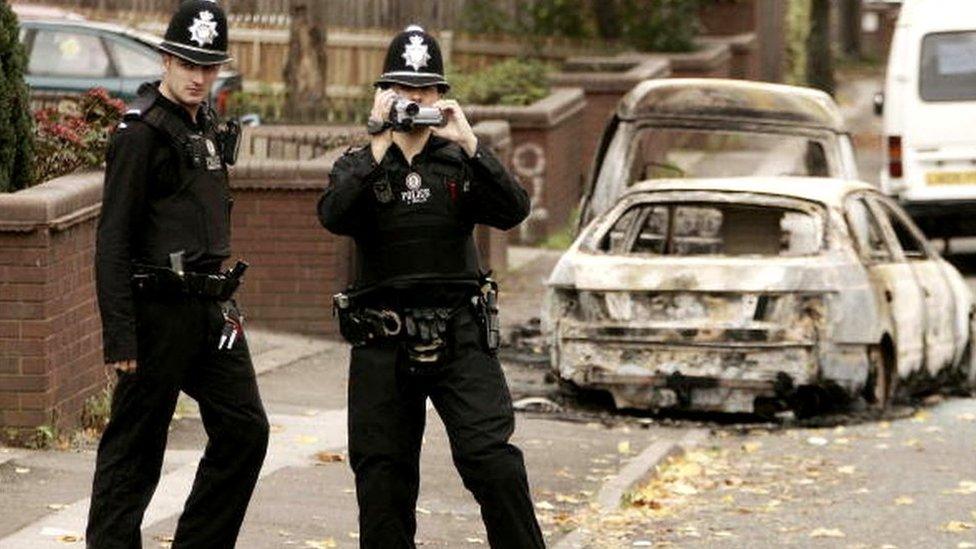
[
  {"x": 422, "y": 327},
  {"x": 165, "y": 282}
]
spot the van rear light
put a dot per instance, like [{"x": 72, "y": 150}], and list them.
[{"x": 895, "y": 169}]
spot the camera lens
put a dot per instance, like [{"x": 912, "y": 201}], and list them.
[{"x": 412, "y": 108}]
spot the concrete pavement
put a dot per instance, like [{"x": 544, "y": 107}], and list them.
[{"x": 305, "y": 497}]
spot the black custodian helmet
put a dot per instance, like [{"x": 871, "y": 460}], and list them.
[
  {"x": 198, "y": 33},
  {"x": 414, "y": 59}
]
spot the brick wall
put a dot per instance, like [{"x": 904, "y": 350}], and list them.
[
  {"x": 50, "y": 334},
  {"x": 546, "y": 157},
  {"x": 710, "y": 60},
  {"x": 296, "y": 265},
  {"x": 764, "y": 18},
  {"x": 604, "y": 81}
]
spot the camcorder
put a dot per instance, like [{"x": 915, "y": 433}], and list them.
[{"x": 406, "y": 115}]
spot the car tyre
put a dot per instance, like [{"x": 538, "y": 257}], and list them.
[{"x": 882, "y": 382}]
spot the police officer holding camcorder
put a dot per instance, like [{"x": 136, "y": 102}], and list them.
[
  {"x": 169, "y": 321},
  {"x": 422, "y": 316}
]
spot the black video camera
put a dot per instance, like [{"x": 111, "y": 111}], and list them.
[{"x": 406, "y": 115}]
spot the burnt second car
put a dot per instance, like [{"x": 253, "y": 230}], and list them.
[
  {"x": 709, "y": 128},
  {"x": 756, "y": 295}
]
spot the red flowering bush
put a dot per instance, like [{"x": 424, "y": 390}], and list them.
[{"x": 74, "y": 135}]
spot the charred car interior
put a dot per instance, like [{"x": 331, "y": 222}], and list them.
[{"x": 755, "y": 295}]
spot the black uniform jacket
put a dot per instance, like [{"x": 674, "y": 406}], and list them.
[
  {"x": 144, "y": 179},
  {"x": 418, "y": 218}
]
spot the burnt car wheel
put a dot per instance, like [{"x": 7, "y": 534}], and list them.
[{"x": 882, "y": 382}]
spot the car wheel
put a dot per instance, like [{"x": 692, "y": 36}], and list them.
[
  {"x": 967, "y": 366},
  {"x": 882, "y": 377}
]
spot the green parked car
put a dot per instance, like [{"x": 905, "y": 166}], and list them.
[{"x": 68, "y": 55}]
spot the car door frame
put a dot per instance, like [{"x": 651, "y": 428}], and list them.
[
  {"x": 896, "y": 290},
  {"x": 940, "y": 313}
]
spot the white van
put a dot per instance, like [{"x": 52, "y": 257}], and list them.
[{"x": 929, "y": 107}]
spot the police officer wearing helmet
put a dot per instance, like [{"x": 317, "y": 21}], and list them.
[
  {"x": 421, "y": 316},
  {"x": 169, "y": 320}
]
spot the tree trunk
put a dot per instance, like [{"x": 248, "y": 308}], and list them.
[
  {"x": 305, "y": 72},
  {"x": 820, "y": 66},
  {"x": 850, "y": 28},
  {"x": 607, "y": 18}
]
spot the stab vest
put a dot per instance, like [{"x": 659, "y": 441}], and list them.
[
  {"x": 419, "y": 231},
  {"x": 195, "y": 216}
]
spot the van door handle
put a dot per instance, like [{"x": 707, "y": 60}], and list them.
[{"x": 889, "y": 297}]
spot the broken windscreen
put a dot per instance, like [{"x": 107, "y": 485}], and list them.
[{"x": 687, "y": 229}]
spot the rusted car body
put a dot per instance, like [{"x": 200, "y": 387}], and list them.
[
  {"x": 710, "y": 128},
  {"x": 756, "y": 295}
]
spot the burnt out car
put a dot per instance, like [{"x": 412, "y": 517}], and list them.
[
  {"x": 710, "y": 128},
  {"x": 756, "y": 295}
]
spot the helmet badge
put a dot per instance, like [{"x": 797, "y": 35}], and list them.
[
  {"x": 415, "y": 53},
  {"x": 203, "y": 31}
]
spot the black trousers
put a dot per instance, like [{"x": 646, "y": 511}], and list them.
[
  {"x": 387, "y": 416},
  {"x": 177, "y": 342}
]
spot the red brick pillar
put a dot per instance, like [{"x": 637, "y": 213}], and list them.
[
  {"x": 50, "y": 333},
  {"x": 546, "y": 157}
]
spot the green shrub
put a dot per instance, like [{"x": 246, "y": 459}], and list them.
[
  {"x": 514, "y": 82},
  {"x": 660, "y": 25},
  {"x": 75, "y": 134},
  {"x": 566, "y": 18},
  {"x": 269, "y": 104},
  {"x": 16, "y": 150},
  {"x": 485, "y": 17}
]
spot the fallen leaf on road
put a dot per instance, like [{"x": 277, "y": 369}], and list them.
[
  {"x": 21, "y": 470},
  {"x": 843, "y": 441},
  {"x": 561, "y": 498},
  {"x": 827, "y": 533},
  {"x": 276, "y": 428},
  {"x": 423, "y": 511},
  {"x": 957, "y": 526},
  {"x": 69, "y": 538},
  {"x": 966, "y": 417},
  {"x": 623, "y": 447},
  {"x": 921, "y": 416},
  {"x": 817, "y": 441},
  {"x": 723, "y": 534},
  {"x": 846, "y": 469},
  {"x": 643, "y": 543},
  {"x": 965, "y": 545},
  {"x": 327, "y": 543},
  {"x": 683, "y": 489},
  {"x": 353, "y": 535},
  {"x": 545, "y": 506},
  {"x": 478, "y": 541},
  {"x": 306, "y": 439},
  {"x": 329, "y": 457},
  {"x": 966, "y": 487},
  {"x": 752, "y": 447},
  {"x": 904, "y": 500},
  {"x": 56, "y": 506}
]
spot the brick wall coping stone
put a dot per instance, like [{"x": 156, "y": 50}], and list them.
[
  {"x": 496, "y": 133},
  {"x": 299, "y": 175},
  {"x": 58, "y": 204},
  {"x": 610, "y": 74},
  {"x": 706, "y": 58},
  {"x": 547, "y": 112},
  {"x": 739, "y": 43}
]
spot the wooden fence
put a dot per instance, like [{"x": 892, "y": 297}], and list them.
[{"x": 359, "y": 14}]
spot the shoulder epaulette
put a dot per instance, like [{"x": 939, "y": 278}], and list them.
[{"x": 139, "y": 107}]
